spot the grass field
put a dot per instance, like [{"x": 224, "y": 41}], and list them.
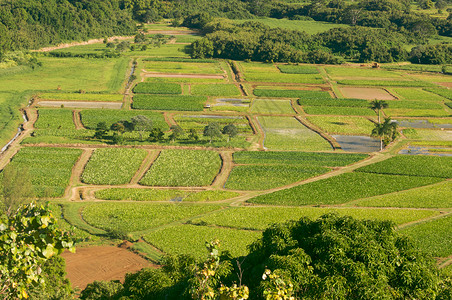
[
  {"x": 342, "y": 125},
  {"x": 434, "y": 196},
  {"x": 158, "y": 102},
  {"x": 91, "y": 117},
  {"x": 215, "y": 90},
  {"x": 49, "y": 168},
  {"x": 183, "y": 168},
  {"x": 113, "y": 166},
  {"x": 267, "y": 106},
  {"x": 286, "y": 133},
  {"x": 343, "y": 188},
  {"x": 311, "y": 27},
  {"x": 298, "y": 69}
]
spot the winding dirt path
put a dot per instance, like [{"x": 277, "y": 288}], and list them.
[
  {"x": 77, "y": 170},
  {"x": 147, "y": 162},
  {"x": 226, "y": 168}
]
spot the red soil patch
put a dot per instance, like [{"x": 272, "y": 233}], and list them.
[
  {"x": 446, "y": 84},
  {"x": 101, "y": 263},
  {"x": 366, "y": 93}
]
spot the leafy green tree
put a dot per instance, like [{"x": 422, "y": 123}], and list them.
[
  {"x": 230, "y": 130},
  {"x": 156, "y": 135},
  {"x": 118, "y": 127},
  {"x": 16, "y": 188},
  {"x": 102, "y": 290},
  {"x": 176, "y": 132},
  {"x": 378, "y": 106},
  {"x": 193, "y": 135},
  {"x": 142, "y": 124},
  {"x": 28, "y": 238},
  {"x": 386, "y": 131},
  {"x": 212, "y": 131},
  {"x": 101, "y": 130}
]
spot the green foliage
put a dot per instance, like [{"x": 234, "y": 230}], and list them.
[
  {"x": 183, "y": 168},
  {"x": 131, "y": 217},
  {"x": 342, "y": 258},
  {"x": 343, "y": 188},
  {"x": 212, "y": 131},
  {"x": 101, "y": 290},
  {"x": 298, "y": 69},
  {"x": 198, "y": 122},
  {"x": 215, "y": 90},
  {"x": 194, "y": 103},
  {"x": 91, "y": 117},
  {"x": 54, "y": 119},
  {"x": 157, "y": 88},
  {"x": 108, "y": 166},
  {"x": 28, "y": 239},
  {"x": 314, "y": 95},
  {"x": 49, "y": 168},
  {"x": 15, "y": 188},
  {"x": 413, "y": 165}
]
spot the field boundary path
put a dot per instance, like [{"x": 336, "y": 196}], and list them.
[
  {"x": 226, "y": 168},
  {"x": 147, "y": 163},
  {"x": 77, "y": 170}
]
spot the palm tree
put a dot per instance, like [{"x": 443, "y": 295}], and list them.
[
  {"x": 377, "y": 106},
  {"x": 386, "y": 131}
]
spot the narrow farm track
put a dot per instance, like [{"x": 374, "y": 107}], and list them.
[
  {"x": 226, "y": 168},
  {"x": 77, "y": 120},
  {"x": 147, "y": 162},
  {"x": 317, "y": 130},
  {"x": 89, "y": 42},
  {"x": 440, "y": 216},
  {"x": 261, "y": 132},
  {"x": 373, "y": 159},
  {"x": 71, "y": 191}
]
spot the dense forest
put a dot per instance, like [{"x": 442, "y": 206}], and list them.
[{"x": 381, "y": 28}]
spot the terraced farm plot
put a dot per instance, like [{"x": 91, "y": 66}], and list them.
[
  {"x": 215, "y": 90},
  {"x": 284, "y": 78},
  {"x": 290, "y": 93},
  {"x": 347, "y": 72},
  {"x": 417, "y": 94},
  {"x": 157, "y": 88},
  {"x": 169, "y": 50},
  {"x": 54, "y": 119},
  {"x": 259, "y": 218},
  {"x": 286, "y": 133},
  {"x": 255, "y": 177},
  {"x": 81, "y": 97},
  {"x": 422, "y": 113},
  {"x": 297, "y": 158},
  {"x": 298, "y": 69},
  {"x": 182, "y": 79},
  {"x": 340, "y": 111},
  {"x": 386, "y": 83},
  {"x": 90, "y": 118},
  {"x": 434, "y": 196},
  {"x": 366, "y": 93},
  {"x": 413, "y": 165},
  {"x": 415, "y": 105},
  {"x": 433, "y": 236},
  {"x": 446, "y": 93},
  {"x": 189, "y": 239},
  {"x": 334, "y": 102},
  {"x": 162, "y": 195},
  {"x": 183, "y": 103},
  {"x": 342, "y": 125},
  {"x": 113, "y": 165},
  {"x": 267, "y": 106},
  {"x": 343, "y": 188},
  {"x": 131, "y": 217},
  {"x": 50, "y": 168},
  {"x": 185, "y": 67},
  {"x": 198, "y": 122},
  {"x": 183, "y": 168},
  {"x": 428, "y": 134}
]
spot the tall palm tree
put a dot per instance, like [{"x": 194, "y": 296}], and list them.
[
  {"x": 377, "y": 106},
  {"x": 386, "y": 131}
]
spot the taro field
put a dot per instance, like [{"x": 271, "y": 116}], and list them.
[{"x": 189, "y": 150}]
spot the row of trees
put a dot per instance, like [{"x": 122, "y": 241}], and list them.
[{"x": 329, "y": 258}]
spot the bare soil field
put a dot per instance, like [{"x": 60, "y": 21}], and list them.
[
  {"x": 366, "y": 93},
  {"x": 101, "y": 263},
  {"x": 80, "y": 104}
]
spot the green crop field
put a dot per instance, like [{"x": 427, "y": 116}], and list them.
[
  {"x": 284, "y": 78},
  {"x": 54, "y": 119},
  {"x": 311, "y": 27},
  {"x": 433, "y": 236},
  {"x": 413, "y": 165},
  {"x": 189, "y": 239},
  {"x": 336, "y": 110},
  {"x": 49, "y": 168},
  {"x": 168, "y": 50},
  {"x": 113, "y": 166},
  {"x": 134, "y": 194},
  {"x": 183, "y": 168},
  {"x": 186, "y": 67},
  {"x": 387, "y": 83},
  {"x": 297, "y": 158},
  {"x": 427, "y": 135},
  {"x": 188, "y": 103},
  {"x": 131, "y": 217},
  {"x": 266, "y": 106},
  {"x": 254, "y": 177},
  {"x": 347, "y": 72},
  {"x": 416, "y": 94},
  {"x": 407, "y": 112},
  {"x": 215, "y": 90},
  {"x": 334, "y": 102},
  {"x": 434, "y": 196},
  {"x": 185, "y": 80},
  {"x": 446, "y": 93},
  {"x": 90, "y": 118},
  {"x": 342, "y": 125},
  {"x": 259, "y": 218},
  {"x": 81, "y": 97},
  {"x": 298, "y": 69},
  {"x": 343, "y": 188},
  {"x": 198, "y": 122},
  {"x": 286, "y": 133},
  {"x": 288, "y": 93},
  {"x": 157, "y": 88}
]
